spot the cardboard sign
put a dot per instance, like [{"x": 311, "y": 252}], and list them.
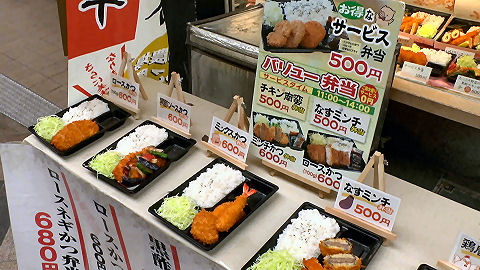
[
  {"x": 367, "y": 203},
  {"x": 467, "y": 85},
  {"x": 340, "y": 78},
  {"x": 466, "y": 253},
  {"x": 416, "y": 72},
  {"x": 174, "y": 112},
  {"x": 124, "y": 91},
  {"x": 229, "y": 139}
]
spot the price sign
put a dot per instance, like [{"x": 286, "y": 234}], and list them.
[
  {"x": 416, "y": 72},
  {"x": 458, "y": 52},
  {"x": 467, "y": 85},
  {"x": 230, "y": 139},
  {"x": 124, "y": 91},
  {"x": 466, "y": 253},
  {"x": 340, "y": 119},
  {"x": 174, "y": 112},
  {"x": 367, "y": 203}
]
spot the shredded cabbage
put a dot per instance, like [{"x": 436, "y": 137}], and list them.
[
  {"x": 178, "y": 210},
  {"x": 48, "y": 126},
  {"x": 105, "y": 163},
  {"x": 276, "y": 259}
]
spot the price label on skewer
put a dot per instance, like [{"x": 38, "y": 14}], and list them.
[
  {"x": 229, "y": 139},
  {"x": 367, "y": 203},
  {"x": 174, "y": 112}
]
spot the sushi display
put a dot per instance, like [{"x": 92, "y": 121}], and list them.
[
  {"x": 208, "y": 206},
  {"x": 277, "y": 130},
  {"x": 312, "y": 239},
  {"x": 307, "y": 237},
  {"x": 333, "y": 151},
  {"x": 303, "y": 24},
  {"x": 137, "y": 158},
  {"x": 422, "y": 24}
]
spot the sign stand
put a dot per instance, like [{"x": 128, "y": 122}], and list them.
[
  {"x": 174, "y": 83},
  {"x": 127, "y": 64},
  {"x": 377, "y": 164},
  {"x": 243, "y": 123},
  {"x": 447, "y": 265}
]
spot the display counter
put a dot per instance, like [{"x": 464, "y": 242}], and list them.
[
  {"x": 427, "y": 224},
  {"x": 225, "y": 44}
]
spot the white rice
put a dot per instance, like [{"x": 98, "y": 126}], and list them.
[
  {"x": 214, "y": 184},
  {"x": 147, "y": 135},
  {"x": 309, "y": 10},
  {"x": 272, "y": 13},
  {"x": 85, "y": 111},
  {"x": 302, "y": 237},
  {"x": 287, "y": 126},
  {"x": 437, "y": 57}
]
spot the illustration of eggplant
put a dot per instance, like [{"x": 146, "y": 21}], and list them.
[{"x": 347, "y": 202}]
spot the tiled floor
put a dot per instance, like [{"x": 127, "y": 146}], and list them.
[{"x": 31, "y": 54}]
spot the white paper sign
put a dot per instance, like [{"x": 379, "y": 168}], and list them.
[
  {"x": 458, "y": 52},
  {"x": 62, "y": 222},
  {"x": 467, "y": 85},
  {"x": 466, "y": 253},
  {"x": 124, "y": 91},
  {"x": 367, "y": 203},
  {"x": 416, "y": 72},
  {"x": 230, "y": 139},
  {"x": 339, "y": 119},
  {"x": 174, "y": 112}
]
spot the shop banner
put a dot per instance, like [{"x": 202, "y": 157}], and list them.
[
  {"x": 367, "y": 203},
  {"x": 466, "y": 253},
  {"x": 323, "y": 67},
  {"x": 61, "y": 222},
  {"x": 98, "y": 33}
]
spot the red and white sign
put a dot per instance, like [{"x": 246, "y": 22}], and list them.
[
  {"x": 367, "y": 203},
  {"x": 174, "y": 112},
  {"x": 124, "y": 91},
  {"x": 62, "y": 222},
  {"x": 230, "y": 139},
  {"x": 340, "y": 119},
  {"x": 98, "y": 34}
]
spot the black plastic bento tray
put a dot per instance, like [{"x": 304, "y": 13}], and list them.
[
  {"x": 365, "y": 243},
  {"x": 108, "y": 121},
  {"x": 175, "y": 146},
  {"x": 264, "y": 189},
  {"x": 425, "y": 267}
]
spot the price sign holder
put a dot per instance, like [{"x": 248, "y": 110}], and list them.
[
  {"x": 237, "y": 106},
  {"x": 377, "y": 164},
  {"x": 174, "y": 84},
  {"x": 447, "y": 265},
  {"x": 127, "y": 64}
]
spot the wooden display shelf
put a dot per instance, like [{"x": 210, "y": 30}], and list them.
[
  {"x": 446, "y": 265},
  {"x": 450, "y": 105}
]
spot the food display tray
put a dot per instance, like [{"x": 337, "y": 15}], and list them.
[
  {"x": 365, "y": 243},
  {"x": 291, "y": 138},
  {"x": 175, "y": 146},
  {"x": 264, "y": 189},
  {"x": 108, "y": 121},
  {"x": 425, "y": 267}
]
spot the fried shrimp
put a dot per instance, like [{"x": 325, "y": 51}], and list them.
[
  {"x": 296, "y": 36},
  {"x": 229, "y": 213},
  {"x": 314, "y": 34}
]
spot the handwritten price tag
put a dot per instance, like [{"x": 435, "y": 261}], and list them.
[
  {"x": 458, "y": 52},
  {"x": 367, "y": 203},
  {"x": 124, "y": 91},
  {"x": 467, "y": 85},
  {"x": 174, "y": 112},
  {"x": 416, "y": 72},
  {"x": 466, "y": 253},
  {"x": 230, "y": 139}
]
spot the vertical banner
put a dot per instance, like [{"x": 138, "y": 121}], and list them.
[
  {"x": 323, "y": 67},
  {"x": 99, "y": 32},
  {"x": 61, "y": 222}
]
